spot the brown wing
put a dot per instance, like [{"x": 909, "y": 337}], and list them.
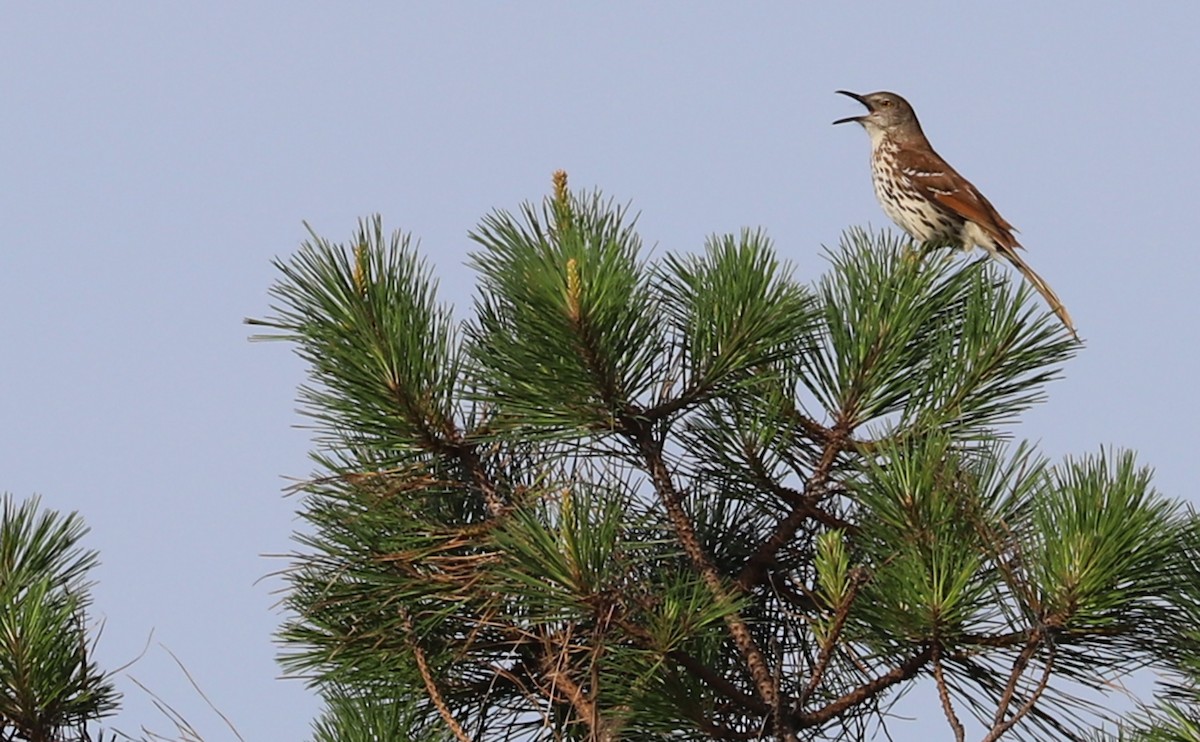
[{"x": 940, "y": 183}]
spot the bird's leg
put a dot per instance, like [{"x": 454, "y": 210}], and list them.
[
  {"x": 919, "y": 250},
  {"x": 936, "y": 244}
]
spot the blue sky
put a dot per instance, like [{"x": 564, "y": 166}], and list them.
[{"x": 157, "y": 156}]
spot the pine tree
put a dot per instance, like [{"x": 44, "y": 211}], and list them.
[{"x": 694, "y": 498}]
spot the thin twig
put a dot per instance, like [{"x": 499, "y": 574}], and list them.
[
  {"x": 562, "y": 684},
  {"x": 431, "y": 688},
  {"x": 756, "y": 565},
  {"x": 944, "y": 695},
  {"x": 713, "y": 678},
  {"x": 1001, "y": 728},
  {"x": 181, "y": 724},
  {"x": 195, "y": 686},
  {"x": 831, "y": 641},
  {"x": 814, "y": 511},
  {"x": 902, "y": 672},
  {"x": 1018, "y": 669}
]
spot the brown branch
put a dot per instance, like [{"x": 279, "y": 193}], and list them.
[
  {"x": 999, "y": 728},
  {"x": 1019, "y": 665},
  {"x": 430, "y": 685},
  {"x": 1011, "y": 639},
  {"x": 1014, "y": 638},
  {"x": 817, "y": 513},
  {"x": 672, "y": 500},
  {"x": 586, "y": 345},
  {"x": 823, "y": 435},
  {"x": 555, "y": 661},
  {"x": 944, "y": 695},
  {"x": 830, "y": 644},
  {"x": 693, "y": 394},
  {"x": 809, "y": 501},
  {"x": 449, "y": 441},
  {"x": 714, "y": 679},
  {"x": 798, "y": 596},
  {"x": 812, "y": 428},
  {"x": 756, "y": 566},
  {"x": 468, "y": 456},
  {"x": 719, "y": 682},
  {"x": 897, "y": 674},
  {"x": 561, "y": 684}
]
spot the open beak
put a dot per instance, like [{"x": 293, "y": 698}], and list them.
[{"x": 860, "y": 99}]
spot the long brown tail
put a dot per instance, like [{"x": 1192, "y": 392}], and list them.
[{"x": 1043, "y": 288}]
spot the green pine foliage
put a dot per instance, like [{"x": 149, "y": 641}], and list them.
[
  {"x": 1175, "y": 715},
  {"x": 693, "y": 497},
  {"x": 50, "y": 688}
]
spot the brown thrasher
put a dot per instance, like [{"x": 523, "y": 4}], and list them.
[{"x": 927, "y": 198}]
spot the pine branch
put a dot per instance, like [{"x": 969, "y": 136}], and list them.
[
  {"x": 431, "y": 686},
  {"x": 755, "y": 568},
  {"x": 944, "y": 695},
  {"x": 1001, "y": 725},
  {"x": 904, "y": 671},
  {"x": 672, "y": 500}
]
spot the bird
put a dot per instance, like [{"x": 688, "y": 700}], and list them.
[{"x": 928, "y": 199}]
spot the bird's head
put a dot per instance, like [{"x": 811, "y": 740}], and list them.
[{"x": 887, "y": 113}]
